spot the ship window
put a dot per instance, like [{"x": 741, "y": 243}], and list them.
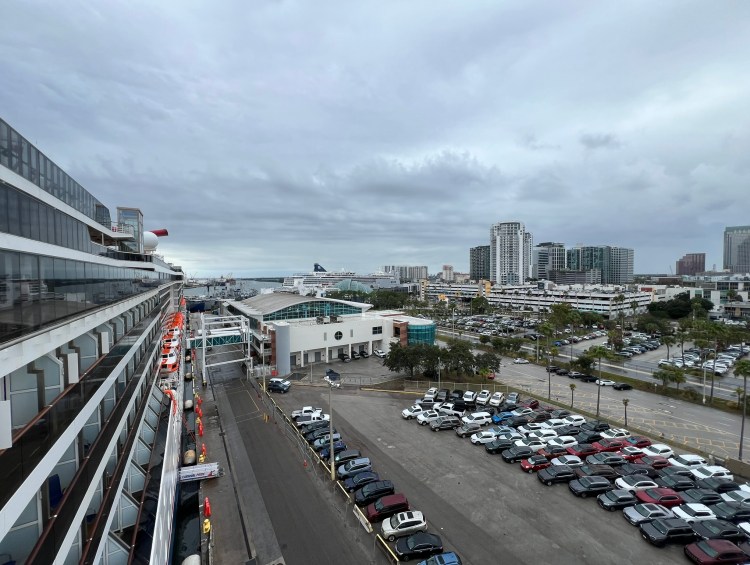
[{"x": 338, "y": 335}]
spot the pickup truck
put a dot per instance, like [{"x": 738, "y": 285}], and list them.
[
  {"x": 306, "y": 411},
  {"x": 305, "y": 420}
]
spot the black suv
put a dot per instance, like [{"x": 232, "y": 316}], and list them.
[
  {"x": 373, "y": 491},
  {"x": 445, "y": 423},
  {"x": 594, "y": 426},
  {"x": 344, "y": 357},
  {"x": 667, "y": 530},
  {"x": 278, "y": 386}
]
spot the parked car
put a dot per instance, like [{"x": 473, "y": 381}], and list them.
[
  {"x": 715, "y": 552},
  {"x": 386, "y": 507},
  {"x": 638, "y": 441},
  {"x": 445, "y": 423},
  {"x": 645, "y": 512},
  {"x": 278, "y": 385},
  {"x": 535, "y": 463},
  {"x": 635, "y": 483},
  {"x": 358, "y": 481},
  {"x": 605, "y": 458},
  {"x": 345, "y": 357},
  {"x": 346, "y": 455},
  {"x": 427, "y": 416},
  {"x": 606, "y": 471},
  {"x": 717, "y": 485},
  {"x": 589, "y": 486},
  {"x": 582, "y": 450},
  {"x": 325, "y": 441},
  {"x": 353, "y": 467},
  {"x": 517, "y": 453},
  {"x": 338, "y": 447},
  {"x": 402, "y": 524},
  {"x": 616, "y": 499},
  {"x": 483, "y": 437},
  {"x": 622, "y": 386},
  {"x": 412, "y": 412},
  {"x": 421, "y": 544},
  {"x": 481, "y": 418},
  {"x": 497, "y": 445},
  {"x": 655, "y": 461},
  {"x": 662, "y": 531},
  {"x": 735, "y": 512},
  {"x": 701, "y": 496},
  {"x": 716, "y": 471},
  {"x": 662, "y": 496},
  {"x": 497, "y": 399},
  {"x": 484, "y": 397},
  {"x": 520, "y": 361},
  {"x": 693, "y": 512},
  {"x": 676, "y": 482},
  {"x": 379, "y": 353},
  {"x": 373, "y": 491},
  {"x": 659, "y": 449},
  {"x": 306, "y": 411},
  {"x": 465, "y": 430},
  {"x": 556, "y": 474},
  {"x": 718, "y": 529}
]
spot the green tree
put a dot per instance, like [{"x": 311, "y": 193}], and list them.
[
  {"x": 484, "y": 339},
  {"x": 599, "y": 352},
  {"x": 669, "y": 374},
  {"x": 583, "y": 363},
  {"x": 669, "y": 341},
  {"x": 480, "y": 305}
]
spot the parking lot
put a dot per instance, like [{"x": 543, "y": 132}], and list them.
[{"x": 484, "y": 509}]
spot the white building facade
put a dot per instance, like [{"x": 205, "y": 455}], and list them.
[{"x": 510, "y": 253}]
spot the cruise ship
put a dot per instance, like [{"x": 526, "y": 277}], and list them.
[
  {"x": 90, "y": 418},
  {"x": 322, "y": 279}
]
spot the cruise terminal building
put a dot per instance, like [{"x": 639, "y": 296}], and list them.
[{"x": 292, "y": 331}]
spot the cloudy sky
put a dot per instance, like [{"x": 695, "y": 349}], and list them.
[{"x": 269, "y": 135}]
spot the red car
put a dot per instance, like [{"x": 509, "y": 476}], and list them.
[
  {"x": 530, "y": 403},
  {"x": 656, "y": 461},
  {"x": 714, "y": 552},
  {"x": 638, "y": 441},
  {"x": 582, "y": 450},
  {"x": 609, "y": 445},
  {"x": 534, "y": 463},
  {"x": 664, "y": 496},
  {"x": 631, "y": 453},
  {"x": 552, "y": 451}
]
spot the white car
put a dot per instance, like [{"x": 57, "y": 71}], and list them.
[
  {"x": 510, "y": 435},
  {"x": 379, "y": 353},
  {"x": 403, "y": 524},
  {"x": 412, "y": 412},
  {"x": 569, "y": 460},
  {"x": 484, "y": 397},
  {"x": 693, "y": 512},
  {"x": 497, "y": 399},
  {"x": 687, "y": 460},
  {"x": 711, "y": 471},
  {"x": 658, "y": 450},
  {"x": 615, "y": 433},
  {"x": 544, "y": 435},
  {"x": 534, "y": 443},
  {"x": 481, "y": 418},
  {"x": 521, "y": 411},
  {"x": 630, "y": 451},
  {"x": 604, "y": 382},
  {"x": 742, "y": 496},
  {"x": 530, "y": 427},
  {"x": 306, "y": 411},
  {"x": 521, "y": 361},
  {"x": 562, "y": 441},
  {"x": 430, "y": 394},
  {"x": 331, "y": 382},
  {"x": 427, "y": 416},
  {"x": 480, "y": 438},
  {"x": 574, "y": 420},
  {"x": 554, "y": 423},
  {"x": 470, "y": 397},
  {"x": 633, "y": 483}
]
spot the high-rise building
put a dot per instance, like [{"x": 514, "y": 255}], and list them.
[
  {"x": 448, "y": 273},
  {"x": 547, "y": 257},
  {"x": 510, "y": 253},
  {"x": 737, "y": 249},
  {"x": 479, "y": 263},
  {"x": 614, "y": 263},
  {"x": 407, "y": 273},
  {"x": 691, "y": 264}
]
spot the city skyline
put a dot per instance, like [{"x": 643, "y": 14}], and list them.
[{"x": 269, "y": 137}]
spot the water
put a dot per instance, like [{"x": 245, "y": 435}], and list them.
[{"x": 244, "y": 285}]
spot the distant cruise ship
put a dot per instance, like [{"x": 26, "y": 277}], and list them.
[
  {"x": 320, "y": 278},
  {"x": 89, "y": 441}
]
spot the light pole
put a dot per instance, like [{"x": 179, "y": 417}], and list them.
[
  {"x": 704, "y": 382},
  {"x": 330, "y": 428}
]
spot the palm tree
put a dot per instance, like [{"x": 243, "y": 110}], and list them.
[
  {"x": 547, "y": 330},
  {"x": 668, "y": 340},
  {"x": 572, "y": 390},
  {"x": 742, "y": 369},
  {"x": 600, "y": 352},
  {"x": 625, "y": 402}
]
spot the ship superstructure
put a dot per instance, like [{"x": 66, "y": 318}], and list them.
[{"x": 89, "y": 441}]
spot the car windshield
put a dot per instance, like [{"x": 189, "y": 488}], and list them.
[
  {"x": 394, "y": 521},
  {"x": 379, "y": 504},
  {"x": 707, "y": 549},
  {"x": 712, "y": 527},
  {"x": 660, "y": 526},
  {"x": 644, "y": 510}
]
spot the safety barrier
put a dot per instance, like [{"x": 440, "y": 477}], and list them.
[{"x": 386, "y": 549}]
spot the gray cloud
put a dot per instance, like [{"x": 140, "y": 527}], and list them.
[{"x": 272, "y": 135}]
